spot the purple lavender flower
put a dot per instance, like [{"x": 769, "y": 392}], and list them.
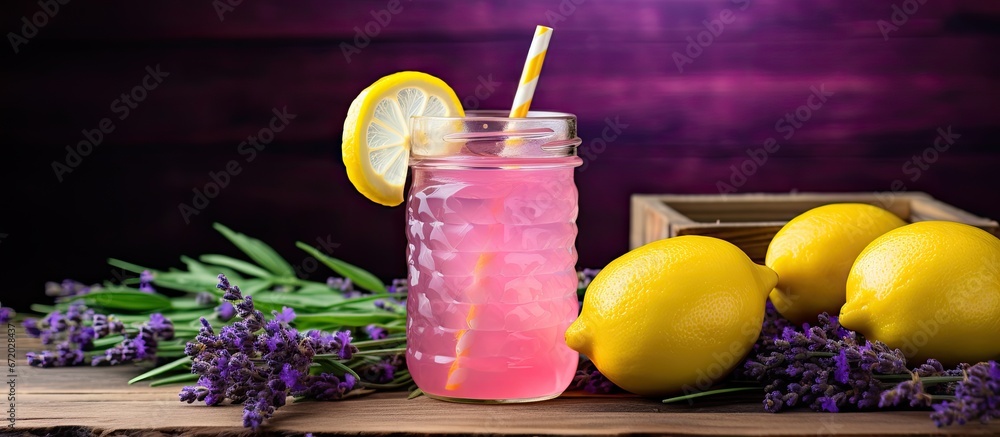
[
  {"x": 376, "y": 332},
  {"x": 290, "y": 376},
  {"x": 586, "y": 276},
  {"x": 774, "y": 401},
  {"x": 340, "y": 284},
  {"x": 104, "y": 325},
  {"x": 68, "y": 288},
  {"x": 44, "y": 358},
  {"x": 161, "y": 326},
  {"x": 824, "y": 366},
  {"x": 342, "y": 345},
  {"x": 383, "y": 371},
  {"x": 69, "y": 332},
  {"x": 843, "y": 372},
  {"x": 74, "y": 332},
  {"x": 589, "y": 379},
  {"x": 344, "y": 286},
  {"x": 204, "y": 299},
  {"x": 56, "y": 323},
  {"x": 6, "y": 314},
  {"x": 909, "y": 392},
  {"x": 31, "y": 328},
  {"x": 230, "y": 292},
  {"x": 328, "y": 387},
  {"x": 226, "y": 311},
  {"x": 146, "y": 282},
  {"x": 285, "y": 316},
  {"x": 976, "y": 397},
  {"x": 140, "y": 347},
  {"x": 832, "y": 403},
  {"x": 931, "y": 368},
  {"x": 259, "y": 362},
  {"x": 129, "y": 350},
  {"x": 398, "y": 286}
]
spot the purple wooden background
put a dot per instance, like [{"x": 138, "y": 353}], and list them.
[{"x": 608, "y": 60}]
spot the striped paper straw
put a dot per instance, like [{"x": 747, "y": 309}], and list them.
[{"x": 532, "y": 68}]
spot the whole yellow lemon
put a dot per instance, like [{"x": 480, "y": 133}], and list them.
[
  {"x": 931, "y": 289},
  {"x": 674, "y": 315},
  {"x": 813, "y": 254}
]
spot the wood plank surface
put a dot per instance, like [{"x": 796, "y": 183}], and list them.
[{"x": 86, "y": 401}]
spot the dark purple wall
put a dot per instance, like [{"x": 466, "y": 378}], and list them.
[{"x": 684, "y": 131}]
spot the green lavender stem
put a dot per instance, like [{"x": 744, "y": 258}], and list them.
[{"x": 710, "y": 393}]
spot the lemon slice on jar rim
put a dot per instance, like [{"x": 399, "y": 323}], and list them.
[{"x": 376, "y": 142}]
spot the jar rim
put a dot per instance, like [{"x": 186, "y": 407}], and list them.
[{"x": 499, "y": 115}]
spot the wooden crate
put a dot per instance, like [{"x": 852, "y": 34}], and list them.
[{"x": 751, "y": 220}]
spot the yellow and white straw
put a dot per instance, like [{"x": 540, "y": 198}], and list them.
[
  {"x": 532, "y": 68},
  {"x": 477, "y": 294}
]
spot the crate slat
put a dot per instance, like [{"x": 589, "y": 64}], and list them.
[{"x": 751, "y": 220}]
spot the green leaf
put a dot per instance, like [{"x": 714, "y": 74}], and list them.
[
  {"x": 175, "y": 379},
  {"x": 235, "y": 264},
  {"x": 108, "y": 341},
  {"x": 126, "y": 299},
  {"x": 338, "y": 319},
  {"x": 44, "y": 309},
  {"x": 196, "y": 267},
  {"x": 254, "y": 286},
  {"x": 297, "y": 301},
  {"x": 385, "y": 341},
  {"x": 176, "y": 345},
  {"x": 127, "y": 266},
  {"x": 415, "y": 394},
  {"x": 188, "y": 303},
  {"x": 330, "y": 365},
  {"x": 176, "y": 364},
  {"x": 366, "y": 299},
  {"x": 189, "y": 315},
  {"x": 360, "y": 277},
  {"x": 390, "y": 351},
  {"x": 317, "y": 289},
  {"x": 259, "y": 252},
  {"x": 189, "y": 282},
  {"x": 170, "y": 354}
]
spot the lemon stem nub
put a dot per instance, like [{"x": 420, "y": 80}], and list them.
[
  {"x": 768, "y": 277},
  {"x": 577, "y": 338}
]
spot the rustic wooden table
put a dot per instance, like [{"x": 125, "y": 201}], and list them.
[{"x": 97, "y": 401}]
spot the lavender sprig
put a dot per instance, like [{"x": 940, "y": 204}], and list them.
[
  {"x": 829, "y": 368},
  {"x": 69, "y": 332},
  {"x": 259, "y": 362},
  {"x": 824, "y": 367},
  {"x": 68, "y": 288},
  {"x": 977, "y": 396},
  {"x": 146, "y": 282},
  {"x": 6, "y": 314},
  {"x": 73, "y": 334},
  {"x": 140, "y": 347}
]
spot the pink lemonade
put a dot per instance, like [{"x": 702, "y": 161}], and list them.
[{"x": 492, "y": 277}]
